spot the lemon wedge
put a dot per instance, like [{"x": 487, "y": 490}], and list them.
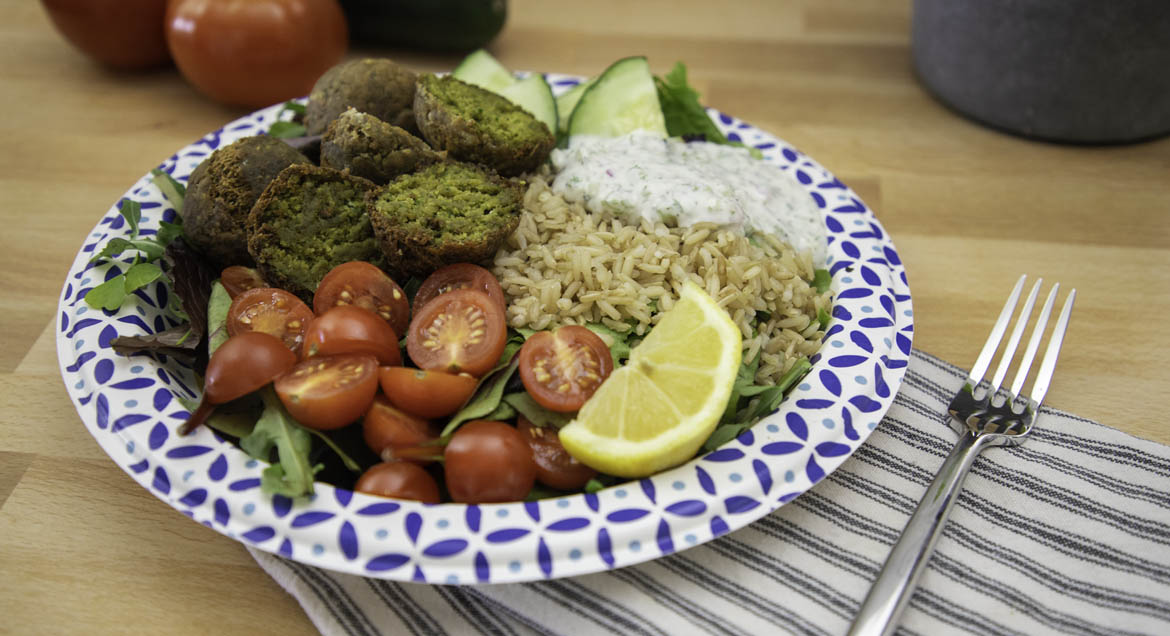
[{"x": 655, "y": 412}]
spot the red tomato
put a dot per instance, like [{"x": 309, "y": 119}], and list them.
[
  {"x": 424, "y": 393},
  {"x": 348, "y": 329},
  {"x": 555, "y": 467},
  {"x": 363, "y": 285},
  {"x": 488, "y": 462},
  {"x": 462, "y": 331},
  {"x": 329, "y": 392},
  {"x": 393, "y": 434},
  {"x": 459, "y": 276},
  {"x": 242, "y": 364},
  {"x": 255, "y": 52},
  {"x": 238, "y": 279},
  {"x": 119, "y": 33},
  {"x": 272, "y": 311},
  {"x": 400, "y": 480},
  {"x": 561, "y": 369}
]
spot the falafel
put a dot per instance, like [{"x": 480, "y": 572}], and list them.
[
  {"x": 222, "y": 190},
  {"x": 474, "y": 124},
  {"x": 376, "y": 86},
  {"x": 308, "y": 221},
  {"x": 368, "y": 147},
  {"x": 449, "y": 212}
]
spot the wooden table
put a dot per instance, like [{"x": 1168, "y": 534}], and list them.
[{"x": 84, "y": 549}]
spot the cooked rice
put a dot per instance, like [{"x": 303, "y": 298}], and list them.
[{"x": 564, "y": 265}]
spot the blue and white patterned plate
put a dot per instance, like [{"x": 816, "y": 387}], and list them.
[{"x": 129, "y": 405}]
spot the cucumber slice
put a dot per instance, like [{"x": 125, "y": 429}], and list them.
[
  {"x": 534, "y": 95},
  {"x": 568, "y": 101},
  {"x": 483, "y": 70},
  {"x": 623, "y": 99}
]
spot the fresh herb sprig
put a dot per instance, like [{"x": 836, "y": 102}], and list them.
[{"x": 288, "y": 128}]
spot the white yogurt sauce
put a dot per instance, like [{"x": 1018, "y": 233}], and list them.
[{"x": 643, "y": 175}]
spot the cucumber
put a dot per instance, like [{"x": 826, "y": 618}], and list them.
[
  {"x": 534, "y": 95},
  {"x": 567, "y": 102},
  {"x": 622, "y": 100},
  {"x": 483, "y": 70}
]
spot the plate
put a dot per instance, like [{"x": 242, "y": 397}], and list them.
[{"x": 130, "y": 406}]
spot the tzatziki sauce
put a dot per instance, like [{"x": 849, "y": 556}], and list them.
[{"x": 644, "y": 175}]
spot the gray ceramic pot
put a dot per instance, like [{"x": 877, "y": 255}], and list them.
[{"x": 1085, "y": 71}]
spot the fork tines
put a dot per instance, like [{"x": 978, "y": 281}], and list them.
[{"x": 1047, "y": 365}]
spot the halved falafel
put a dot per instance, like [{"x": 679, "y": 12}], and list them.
[
  {"x": 477, "y": 125},
  {"x": 308, "y": 221},
  {"x": 368, "y": 147},
  {"x": 376, "y": 86},
  {"x": 446, "y": 213},
  {"x": 222, "y": 190}
]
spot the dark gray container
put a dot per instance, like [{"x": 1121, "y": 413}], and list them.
[{"x": 1084, "y": 71}]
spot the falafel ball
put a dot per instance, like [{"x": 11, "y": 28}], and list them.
[
  {"x": 449, "y": 212},
  {"x": 222, "y": 190},
  {"x": 308, "y": 221},
  {"x": 474, "y": 124},
  {"x": 368, "y": 147},
  {"x": 376, "y": 86}
]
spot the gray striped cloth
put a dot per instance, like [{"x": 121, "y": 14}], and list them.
[{"x": 1069, "y": 533}]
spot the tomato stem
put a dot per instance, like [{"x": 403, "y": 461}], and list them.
[{"x": 202, "y": 412}]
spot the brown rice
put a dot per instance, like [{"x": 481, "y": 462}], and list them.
[{"x": 564, "y": 265}]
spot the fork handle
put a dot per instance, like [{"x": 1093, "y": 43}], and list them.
[{"x": 906, "y": 563}]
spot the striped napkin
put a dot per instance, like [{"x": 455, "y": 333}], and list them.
[{"x": 1068, "y": 533}]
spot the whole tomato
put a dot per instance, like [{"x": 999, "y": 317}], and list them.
[
  {"x": 255, "y": 52},
  {"x": 119, "y": 33}
]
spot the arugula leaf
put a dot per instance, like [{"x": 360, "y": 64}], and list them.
[
  {"x": 593, "y": 485},
  {"x": 168, "y": 232},
  {"x": 286, "y": 130},
  {"x": 723, "y": 434},
  {"x": 534, "y": 412},
  {"x": 109, "y": 295},
  {"x": 822, "y": 279},
  {"x": 140, "y": 275},
  {"x": 292, "y": 476},
  {"x": 217, "y": 310},
  {"x": 502, "y": 412},
  {"x": 487, "y": 396},
  {"x": 172, "y": 190},
  {"x": 681, "y": 109},
  {"x": 150, "y": 248},
  {"x": 618, "y": 343},
  {"x": 345, "y": 459},
  {"x": 294, "y": 107},
  {"x": 131, "y": 210}
]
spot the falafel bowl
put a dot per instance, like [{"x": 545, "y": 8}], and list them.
[{"x": 570, "y": 257}]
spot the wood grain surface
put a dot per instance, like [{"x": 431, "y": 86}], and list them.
[{"x": 83, "y": 549}]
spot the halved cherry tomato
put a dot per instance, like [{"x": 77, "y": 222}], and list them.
[
  {"x": 555, "y": 467},
  {"x": 425, "y": 393},
  {"x": 364, "y": 285},
  {"x": 347, "y": 329},
  {"x": 561, "y": 369},
  {"x": 488, "y": 462},
  {"x": 400, "y": 480},
  {"x": 272, "y": 311},
  {"x": 238, "y": 279},
  {"x": 459, "y": 276},
  {"x": 242, "y": 364},
  {"x": 329, "y": 392},
  {"x": 462, "y": 331},
  {"x": 393, "y": 434}
]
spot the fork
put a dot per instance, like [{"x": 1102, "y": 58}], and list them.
[{"x": 986, "y": 415}]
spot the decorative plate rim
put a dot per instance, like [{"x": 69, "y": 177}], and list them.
[{"x": 128, "y": 404}]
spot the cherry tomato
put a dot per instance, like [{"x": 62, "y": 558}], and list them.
[
  {"x": 459, "y": 276},
  {"x": 241, "y": 365},
  {"x": 329, "y": 392},
  {"x": 272, "y": 311},
  {"x": 424, "y": 393},
  {"x": 349, "y": 329},
  {"x": 255, "y": 52},
  {"x": 238, "y": 279},
  {"x": 462, "y": 331},
  {"x": 561, "y": 369},
  {"x": 119, "y": 33},
  {"x": 555, "y": 467},
  {"x": 488, "y": 462},
  {"x": 393, "y": 434},
  {"x": 363, "y": 285},
  {"x": 400, "y": 480}
]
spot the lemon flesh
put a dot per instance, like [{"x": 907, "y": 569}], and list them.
[{"x": 655, "y": 412}]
